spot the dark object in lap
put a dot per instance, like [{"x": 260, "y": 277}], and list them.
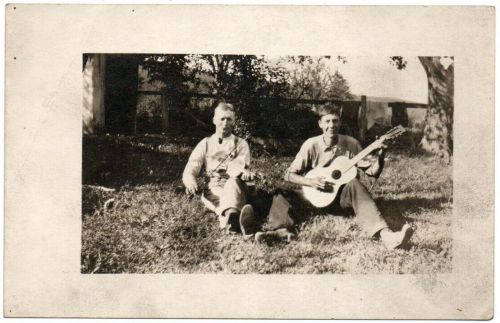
[{"x": 283, "y": 209}]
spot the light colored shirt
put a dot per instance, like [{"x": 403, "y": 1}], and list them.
[
  {"x": 209, "y": 153},
  {"x": 314, "y": 152}
]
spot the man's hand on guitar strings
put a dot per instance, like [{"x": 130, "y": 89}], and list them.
[
  {"x": 329, "y": 187},
  {"x": 321, "y": 184}
]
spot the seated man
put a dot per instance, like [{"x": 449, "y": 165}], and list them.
[
  {"x": 321, "y": 151},
  {"x": 226, "y": 158}
]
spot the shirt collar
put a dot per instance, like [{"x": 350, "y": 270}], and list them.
[
  {"x": 324, "y": 147},
  {"x": 228, "y": 138}
]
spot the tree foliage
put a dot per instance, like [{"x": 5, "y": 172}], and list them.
[
  {"x": 399, "y": 61},
  {"x": 313, "y": 78},
  {"x": 253, "y": 83}
]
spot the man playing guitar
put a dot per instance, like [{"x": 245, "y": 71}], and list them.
[
  {"x": 226, "y": 158},
  {"x": 322, "y": 151}
]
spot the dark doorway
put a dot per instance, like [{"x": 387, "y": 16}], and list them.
[{"x": 121, "y": 93}]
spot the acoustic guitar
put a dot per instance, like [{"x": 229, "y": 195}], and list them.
[{"x": 341, "y": 171}]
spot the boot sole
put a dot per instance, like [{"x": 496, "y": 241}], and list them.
[{"x": 247, "y": 220}]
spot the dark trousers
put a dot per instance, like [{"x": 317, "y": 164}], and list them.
[
  {"x": 352, "y": 196},
  {"x": 367, "y": 215}
]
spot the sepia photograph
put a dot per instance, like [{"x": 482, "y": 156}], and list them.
[
  {"x": 271, "y": 165},
  {"x": 249, "y": 161}
]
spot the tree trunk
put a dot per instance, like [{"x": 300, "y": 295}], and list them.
[
  {"x": 362, "y": 122},
  {"x": 438, "y": 130}
]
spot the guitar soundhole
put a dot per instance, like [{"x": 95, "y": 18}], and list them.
[{"x": 336, "y": 174}]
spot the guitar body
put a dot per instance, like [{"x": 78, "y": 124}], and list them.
[
  {"x": 342, "y": 170},
  {"x": 320, "y": 198}
]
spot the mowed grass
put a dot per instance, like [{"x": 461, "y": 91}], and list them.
[{"x": 147, "y": 227}]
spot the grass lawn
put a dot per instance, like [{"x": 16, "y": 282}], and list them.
[{"x": 144, "y": 226}]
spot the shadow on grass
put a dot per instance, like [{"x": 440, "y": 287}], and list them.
[
  {"x": 115, "y": 161},
  {"x": 392, "y": 210}
]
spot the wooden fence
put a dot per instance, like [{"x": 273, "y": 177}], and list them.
[
  {"x": 355, "y": 119},
  {"x": 168, "y": 105}
]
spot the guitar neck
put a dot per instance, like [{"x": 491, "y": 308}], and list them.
[{"x": 362, "y": 154}]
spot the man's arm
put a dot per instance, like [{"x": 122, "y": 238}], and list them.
[
  {"x": 246, "y": 175},
  {"x": 377, "y": 165},
  {"x": 193, "y": 167},
  {"x": 373, "y": 164},
  {"x": 238, "y": 166},
  {"x": 317, "y": 182},
  {"x": 300, "y": 164}
]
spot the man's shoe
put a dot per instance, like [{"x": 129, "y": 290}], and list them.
[
  {"x": 232, "y": 223},
  {"x": 393, "y": 240},
  {"x": 247, "y": 220}
]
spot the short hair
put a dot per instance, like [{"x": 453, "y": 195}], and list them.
[
  {"x": 223, "y": 106},
  {"x": 328, "y": 108}
]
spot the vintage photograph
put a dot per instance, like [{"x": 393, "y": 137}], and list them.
[
  {"x": 249, "y": 161},
  {"x": 262, "y": 164}
]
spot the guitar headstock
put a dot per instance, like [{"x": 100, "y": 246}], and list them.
[{"x": 393, "y": 133}]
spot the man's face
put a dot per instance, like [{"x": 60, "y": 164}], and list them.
[
  {"x": 330, "y": 124},
  {"x": 224, "y": 123}
]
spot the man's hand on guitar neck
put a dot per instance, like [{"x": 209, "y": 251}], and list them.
[
  {"x": 382, "y": 149},
  {"x": 381, "y": 153},
  {"x": 378, "y": 166}
]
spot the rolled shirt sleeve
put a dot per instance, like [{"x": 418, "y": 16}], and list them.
[{"x": 302, "y": 161}]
